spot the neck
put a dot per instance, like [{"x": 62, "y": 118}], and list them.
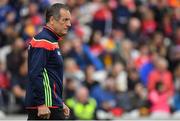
[{"x": 50, "y": 27}]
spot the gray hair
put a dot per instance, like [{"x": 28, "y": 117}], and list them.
[{"x": 54, "y": 11}]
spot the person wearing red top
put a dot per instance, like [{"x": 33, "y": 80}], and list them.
[
  {"x": 149, "y": 24},
  {"x": 160, "y": 88},
  {"x": 159, "y": 99},
  {"x": 161, "y": 74}
]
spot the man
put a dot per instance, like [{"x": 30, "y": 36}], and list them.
[
  {"x": 45, "y": 67},
  {"x": 82, "y": 106}
]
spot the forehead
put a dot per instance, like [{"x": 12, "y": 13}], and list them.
[{"x": 65, "y": 13}]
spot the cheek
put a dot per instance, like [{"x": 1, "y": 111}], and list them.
[
  {"x": 56, "y": 26},
  {"x": 61, "y": 27}
]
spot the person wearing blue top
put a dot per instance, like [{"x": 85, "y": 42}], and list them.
[{"x": 45, "y": 67}]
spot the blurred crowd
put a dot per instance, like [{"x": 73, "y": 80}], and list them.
[{"x": 121, "y": 57}]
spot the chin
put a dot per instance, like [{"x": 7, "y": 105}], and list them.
[{"x": 64, "y": 33}]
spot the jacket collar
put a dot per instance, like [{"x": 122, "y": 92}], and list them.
[{"x": 53, "y": 33}]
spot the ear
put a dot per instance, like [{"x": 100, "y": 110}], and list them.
[{"x": 51, "y": 20}]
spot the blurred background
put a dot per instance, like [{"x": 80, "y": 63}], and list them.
[{"x": 121, "y": 57}]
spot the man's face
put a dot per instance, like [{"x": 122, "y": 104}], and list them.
[{"x": 62, "y": 25}]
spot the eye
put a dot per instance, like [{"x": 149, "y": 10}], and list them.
[{"x": 66, "y": 19}]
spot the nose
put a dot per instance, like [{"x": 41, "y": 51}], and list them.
[{"x": 68, "y": 23}]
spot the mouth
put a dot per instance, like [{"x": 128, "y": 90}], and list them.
[{"x": 66, "y": 29}]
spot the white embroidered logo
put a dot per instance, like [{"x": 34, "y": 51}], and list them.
[
  {"x": 29, "y": 47},
  {"x": 58, "y": 52}
]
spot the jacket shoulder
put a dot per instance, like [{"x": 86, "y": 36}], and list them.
[{"x": 43, "y": 40}]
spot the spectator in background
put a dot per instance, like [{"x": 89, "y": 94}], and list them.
[
  {"x": 158, "y": 44},
  {"x": 149, "y": 25},
  {"x": 127, "y": 51},
  {"x": 177, "y": 36},
  {"x": 4, "y": 88},
  {"x": 137, "y": 91},
  {"x": 83, "y": 56},
  {"x": 112, "y": 48},
  {"x": 70, "y": 87},
  {"x": 108, "y": 56},
  {"x": 89, "y": 81},
  {"x": 167, "y": 25},
  {"x": 120, "y": 76},
  {"x": 66, "y": 48},
  {"x": 118, "y": 35},
  {"x": 14, "y": 58},
  {"x": 174, "y": 53},
  {"x": 162, "y": 75},
  {"x": 10, "y": 18},
  {"x": 133, "y": 79},
  {"x": 143, "y": 57},
  {"x": 95, "y": 43},
  {"x": 102, "y": 19},
  {"x": 71, "y": 4},
  {"x": 3, "y": 37},
  {"x": 82, "y": 106},
  {"x": 176, "y": 97},
  {"x": 85, "y": 12},
  {"x": 19, "y": 83},
  {"x": 159, "y": 98},
  {"x": 95, "y": 88},
  {"x": 159, "y": 8},
  {"x": 146, "y": 69},
  {"x": 176, "y": 17},
  {"x": 108, "y": 95},
  {"x": 9, "y": 34},
  {"x": 122, "y": 15},
  {"x": 133, "y": 30},
  {"x": 72, "y": 70},
  {"x": 29, "y": 30},
  {"x": 4, "y": 79},
  {"x": 31, "y": 21},
  {"x": 4, "y": 8},
  {"x": 33, "y": 14}
]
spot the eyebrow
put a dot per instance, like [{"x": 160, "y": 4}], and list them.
[{"x": 66, "y": 18}]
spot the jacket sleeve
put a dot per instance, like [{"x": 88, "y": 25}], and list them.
[{"x": 37, "y": 62}]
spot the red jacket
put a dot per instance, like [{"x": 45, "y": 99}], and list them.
[
  {"x": 165, "y": 77},
  {"x": 159, "y": 101}
]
